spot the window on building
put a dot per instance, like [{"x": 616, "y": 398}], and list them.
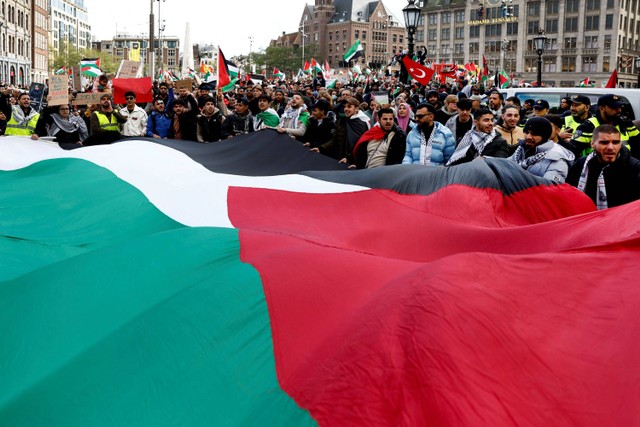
[
  {"x": 432, "y": 35},
  {"x": 589, "y": 64},
  {"x": 590, "y": 42},
  {"x": 572, "y": 6},
  {"x": 610, "y": 4},
  {"x": 356, "y": 34},
  {"x": 551, "y": 26},
  {"x": 570, "y": 42},
  {"x": 459, "y": 32},
  {"x": 445, "y": 34},
  {"x": 364, "y": 35},
  {"x": 592, "y": 23},
  {"x": 608, "y": 22},
  {"x": 549, "y": 65},
  {"x": 433, "y": 19},
  {"x": 552, "y": 7},
  {"x": 459, "y": 16},
  {"x": 593, "y": 4},
  {"x": 474, "y": 47},
  {"x": 459, "y": 48},
  {"x": 606, "y": 61},
  {"x": 474, "y": 31},
  {"x": 446, "y": 17},
  {"x": 532, "y": 27},
  {"x": 607, "y": 41},
  {"x": 571, "y": 25},
  {"x": 512, "y": 28},
  {"x": 420, "y": 36},
  {"x": 568, "y": 64},
  {"x": 533, "y": 8},
  {"x": 493, "y": 30},
  {"x": 445, "y": 49}
]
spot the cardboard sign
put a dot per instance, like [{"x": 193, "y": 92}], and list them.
[
  {"x": 381, "y": 98},
  {"x": 88, "y": 98},
  {"x": 36, "y": 92},
  {"x": 77, "y": 78},
  {"x": 58, "y": 90},
  {"x": 186, "y": 83},
  {"x": 128, "y": 69}
]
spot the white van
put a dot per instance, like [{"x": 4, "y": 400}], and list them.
[{"x": 630, "y": 97}]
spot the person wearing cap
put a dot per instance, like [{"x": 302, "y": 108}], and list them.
[
  {"x": 429, "y": 142},
  {"x": 106, "y": 120},
  {"x": 448, "y": 110},
  {"x": 609, "y": 112},
  {"x": 608, "y": 175},
  {"x": 383, "y": 144},
  {"x": 540, "y": 156},
  {"x": 209, "y": 121},
  {"x": 267, "y": 118},
  {"x": 477, "y": 102},
  {"x": 527, "y": 106},
  {"x": 321, "y": 125},
  {"x": 159, "y": 120},
  {"x": 22, "y": 119},
  {"x": 579, "y": 108},
  {"x": 136, "y": 124},
  {"x": 349, "y": 129},
  {"x": 540, "y": 108},
  {"x": 462, "y": 122},
  {"x": 482, "y": 140},
  {"x": 240, "y": 122}
]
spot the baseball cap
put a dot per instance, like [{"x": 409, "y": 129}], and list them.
[
  {"x": 541, "y": 104},
  {"x": 580, "y": 99},
  {"x": 612, "y": 101},
  {"x": 321, "y": 104}
]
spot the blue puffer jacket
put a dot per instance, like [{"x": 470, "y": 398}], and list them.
[
  {"x": 442, "y": 146},
  {"x": 159, "y": 124}
]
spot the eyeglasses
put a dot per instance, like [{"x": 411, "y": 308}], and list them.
[
  {"x": 129, "y": 98},
  {"x": 419, "y": 116}
]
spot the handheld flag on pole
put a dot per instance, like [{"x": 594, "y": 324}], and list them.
[
  {"x": 354, "y": 52},
  {"x": 613, "y": 80},
  {"x": 223, "y": 71},
  {"x": 418, "y": 72},
  {"x": 90, "y": 67}
]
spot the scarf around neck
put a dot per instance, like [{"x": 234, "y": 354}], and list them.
[
  {"x": 19, "y": 116},
  {"x": 601, "y": 189},
  {"x": 474, "y": 137}
]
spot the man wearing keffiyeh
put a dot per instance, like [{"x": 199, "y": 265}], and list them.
[
  {"x": 608, "y": 175},
  {"x": 540, "y": 156},
  {"x": 481, "y": 140}
]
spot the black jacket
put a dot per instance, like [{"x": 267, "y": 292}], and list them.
[
  {"x": 621, "y": 179},
  {"x": 210, "y": 128},
  {"x": 237, "y": 125},
  {"x": 395, "y": 154},
  {"x": 347, "y": 133},
  {"x": 317, "y": 134},
  {"x": 496, "y": 148}
]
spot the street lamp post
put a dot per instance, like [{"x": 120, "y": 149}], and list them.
[
  {"x": 150, "y": 50},
  {"x": 250, "y": 48},
  {"x": 638, "y": 70},
  {"x": 411, "y": 14},
  {"x": 539, "y": 42}
]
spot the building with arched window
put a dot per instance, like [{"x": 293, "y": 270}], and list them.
[{"x": 15, "y": 42}]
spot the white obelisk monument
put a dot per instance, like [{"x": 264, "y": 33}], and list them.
[{"x": 187, "y": 52}]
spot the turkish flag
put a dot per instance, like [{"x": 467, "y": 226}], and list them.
[
  {"x": 419, "y": 72},
  {"x": 141, "y": 87}
]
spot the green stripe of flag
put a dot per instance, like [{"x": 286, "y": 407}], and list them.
[{"x": 117, "y": 325}]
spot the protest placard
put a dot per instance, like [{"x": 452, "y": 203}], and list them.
[{"x": 58, "y": 89}]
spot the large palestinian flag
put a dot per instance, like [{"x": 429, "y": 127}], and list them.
[{"x": 146, "y": 284}]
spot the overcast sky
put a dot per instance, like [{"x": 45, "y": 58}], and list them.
[{"x": 225, "y": 22}]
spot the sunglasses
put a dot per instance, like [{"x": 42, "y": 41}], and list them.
[
  {"x": 419, "y": 116},
  {"x": 129, "y": 98}
]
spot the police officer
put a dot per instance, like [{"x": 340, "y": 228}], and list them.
[
  {"x": 579, "y": 106},
  {"x": 609, "y": 112}
]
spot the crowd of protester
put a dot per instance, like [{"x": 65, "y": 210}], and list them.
[{"x": 367, "y": 124}]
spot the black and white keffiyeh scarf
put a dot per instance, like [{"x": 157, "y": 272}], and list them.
[
  {"x": 425, "y": 146},
  {"x": 472, "y": 138},
  {"x": 601, "y": 189},
  {"x": 520, "y": 157}
]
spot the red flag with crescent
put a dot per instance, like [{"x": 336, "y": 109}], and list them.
[{"x": 419, "y": 72}]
